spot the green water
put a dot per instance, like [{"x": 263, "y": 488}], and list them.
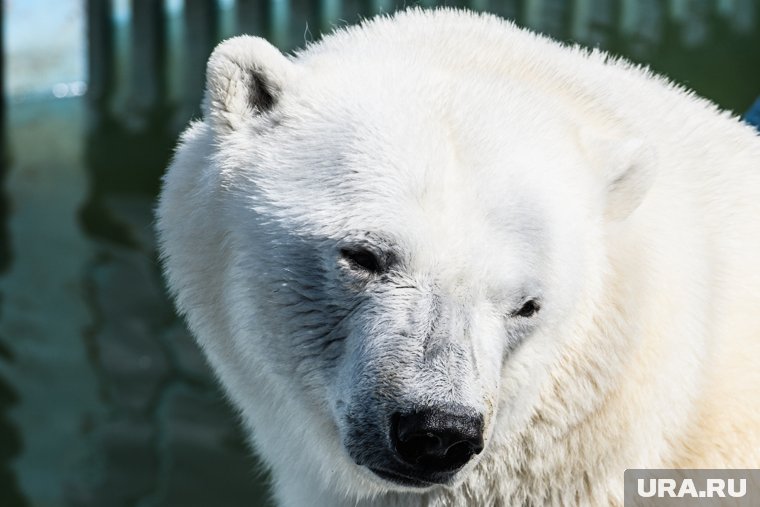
[{"x": 104, "y": 399}]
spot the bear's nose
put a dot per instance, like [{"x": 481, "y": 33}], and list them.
[{"x": 437, "y": 440}]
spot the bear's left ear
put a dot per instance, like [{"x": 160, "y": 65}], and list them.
[
  {"x": 627, "y": 169},
  {"x": 245, "y": 78}
]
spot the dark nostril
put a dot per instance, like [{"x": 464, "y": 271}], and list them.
[{"x": 437, "y": 440}]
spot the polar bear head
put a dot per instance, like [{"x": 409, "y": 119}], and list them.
[{"x": 383, "y": 256}]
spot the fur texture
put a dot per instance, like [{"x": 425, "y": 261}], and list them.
[{"x": 483, "y": 166}]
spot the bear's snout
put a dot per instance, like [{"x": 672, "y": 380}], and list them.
[
  {"x": 436, "y": 440},
  {"x": 432, "y": 444}
]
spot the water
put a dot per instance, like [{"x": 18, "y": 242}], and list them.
[
  {"x": 44, "y": 44},
  {"x": 104, "y": 399}
]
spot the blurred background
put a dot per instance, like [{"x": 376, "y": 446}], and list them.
[{"x": 104, "y": 398}]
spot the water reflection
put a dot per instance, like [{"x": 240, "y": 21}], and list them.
[
  {"x": 10, "y": 438},
  {"x": 116, "y": 404}
]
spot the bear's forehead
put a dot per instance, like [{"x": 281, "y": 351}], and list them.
[
  {"x": 411, "y": 112},
  {"x": 450, "y": 145},
  {"x": 411, "y": 90},
  {"x": 424, "y": 158}
]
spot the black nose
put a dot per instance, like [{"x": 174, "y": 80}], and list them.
[{"x": 435, "y": 440}]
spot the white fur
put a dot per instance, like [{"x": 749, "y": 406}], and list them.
[{"x": 499, "y": 159}]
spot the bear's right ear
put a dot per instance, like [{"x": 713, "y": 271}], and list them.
[
  {"x": 245, "y": 77},
  {"x": 626, "y": 167}
]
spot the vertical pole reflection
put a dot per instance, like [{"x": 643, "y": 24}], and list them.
[{"x": 10, "y": 439}]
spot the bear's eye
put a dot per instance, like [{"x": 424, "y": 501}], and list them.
[
  {"x": 360, "y": 258},
  {"x": 529, "y": 309}
]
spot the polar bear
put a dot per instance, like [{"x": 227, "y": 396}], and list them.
[{"x": 439, "y": 260}]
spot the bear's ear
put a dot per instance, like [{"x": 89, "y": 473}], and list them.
[
  {"x": 245, "y": 77},
  {"x": 627, "y": 169}
]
